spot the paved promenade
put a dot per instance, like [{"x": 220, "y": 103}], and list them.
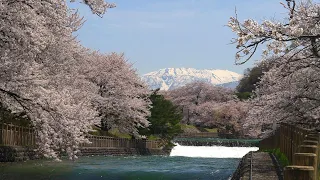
[{"x": 257, "y": 166}]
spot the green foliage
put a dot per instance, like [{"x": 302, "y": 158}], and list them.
[
  {"x": 153, "y": 137},
  {"x": 187, "y": 126},
  {"x": 282, "y": 158},
  {"x": 193, "y": 129},
  {"x": 164, "y": 119},
  {"x": 244, "y": 95},
  {"x": 169, "y": 145},
  {"x": 251, "y": 77},
  {"x": 98, "y": 132},
  {"x": 117, "y": 133},
  {"x": 113, "y": 133},
  {"x": 213, "y": 130}
]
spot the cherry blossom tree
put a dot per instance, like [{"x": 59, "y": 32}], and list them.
[
  {"x": 211, "y": 106},
  {"x": 289, "y": 91},
  {"x": 197, "y": 99},
  {"x": 37, "y": 74},
  {"x": 230, "y": 117},
  {"x": 199, "y": 92},
  {"x": 124, "y": 99},
  {"x": 42, "y": 73}
]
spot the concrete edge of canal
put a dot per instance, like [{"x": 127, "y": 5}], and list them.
[{"x": 17, "y": 154}]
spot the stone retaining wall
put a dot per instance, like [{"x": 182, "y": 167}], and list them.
[{"x": 15, "y": 154}]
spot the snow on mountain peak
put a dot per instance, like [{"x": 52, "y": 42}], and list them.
[{"x": 170, "y": 78}]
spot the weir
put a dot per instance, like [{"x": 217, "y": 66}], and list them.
[
  {"x": 195, "y": 141},
  {"x": 211, "y": 151}
]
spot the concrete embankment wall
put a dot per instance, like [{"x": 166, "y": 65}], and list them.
[
  {"x": 242, "y": 168},
  {"x": 122, "y": 151},
  {"x": 16, "y": 154}
]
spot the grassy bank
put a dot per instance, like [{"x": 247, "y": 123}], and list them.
[{"x": 282, "y": 158}]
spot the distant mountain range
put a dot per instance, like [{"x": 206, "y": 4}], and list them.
[{"x": 171, "y": 78}]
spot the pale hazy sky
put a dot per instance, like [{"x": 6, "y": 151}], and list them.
[{"x": 157, "y": 34}]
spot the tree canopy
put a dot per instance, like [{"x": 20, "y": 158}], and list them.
[
  {"x": 251, "y": 79},
  {"x": 289, "y": 91},
  {"x": 165, "y": 118},
  {"x": 206, "y": 105},
  {"x": 62, "y": 87}
]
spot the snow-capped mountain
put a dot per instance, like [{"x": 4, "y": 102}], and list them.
[
  {"x": 231, "y": 85},
  {"x": 170, "y": 78}
]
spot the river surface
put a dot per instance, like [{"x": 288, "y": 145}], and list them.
[{"x": 184, "y": 163}]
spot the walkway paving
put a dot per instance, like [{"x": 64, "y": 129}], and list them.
[{"x": 261, "y": 167}]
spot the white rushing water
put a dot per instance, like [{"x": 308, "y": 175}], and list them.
[{"x": 211, "y": 151}]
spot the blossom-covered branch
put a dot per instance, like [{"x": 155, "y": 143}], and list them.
[
  {"x": 98, "y": 7},
  {"x": 300, "y": 30}
]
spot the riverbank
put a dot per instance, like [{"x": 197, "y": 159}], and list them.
[
  {"x": 17, "y": 154},
  {"x": 122, "y": 151}
]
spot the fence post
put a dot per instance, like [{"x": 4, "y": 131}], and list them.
[
  {"x": 21, "y": 136},
  {"x": 302, "y": 149},
  {"x": 7, "y": 136},
  {"x": 32, "y": 137},
  {"x": 1, "y": 135},
  {"x": 15, "y": 135},
  {"x": 29, "y": 143}
]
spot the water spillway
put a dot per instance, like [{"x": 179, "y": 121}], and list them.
[
  {"x": 217, "y": 142},
  {"x": 211, "y": 151}
]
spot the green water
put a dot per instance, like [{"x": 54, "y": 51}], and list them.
[{"x": 123, "y": 168}]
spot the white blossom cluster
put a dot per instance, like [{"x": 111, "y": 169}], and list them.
[
  {"x": 300, "y": 30},
  {"x": 98, "y": 7}
]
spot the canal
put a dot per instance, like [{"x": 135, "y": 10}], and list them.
[{"x": 184, "y": 163}]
